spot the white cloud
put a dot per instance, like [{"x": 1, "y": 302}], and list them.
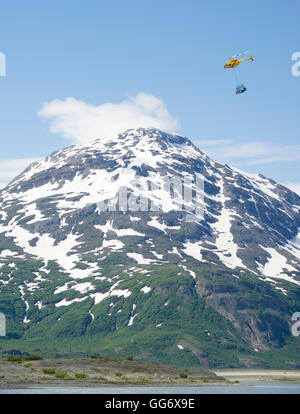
[
  {"x": 213, "y": 142},
  {"x": 80, "y": 121},
  {"x": 293, "y": 186},
  {"x": 252, "y": 153},
  {"x": 10, "y": 168}
]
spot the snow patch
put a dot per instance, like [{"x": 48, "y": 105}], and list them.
[
  {"x": 139, "y": 258},
  {"x": 277, "y": 266},
  {"x": 146, "y": 289},
  {"x": 66, "y": 302},
  {"x": 99, "y": 297},
  {"x": 132, "y": 317},
  {"x": 194, "y": 250},
  {"x": 226, "y": 247}
]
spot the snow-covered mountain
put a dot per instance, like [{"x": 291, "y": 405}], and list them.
[
  {"x": 250, "y": 221},
  {"x": 54, "y": 214}
]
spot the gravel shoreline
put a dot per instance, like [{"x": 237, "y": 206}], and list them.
[
  {"x": 259, "y": 375},
  {"x": 113, "y": 372},
  {"x": 95, "y": 372}
]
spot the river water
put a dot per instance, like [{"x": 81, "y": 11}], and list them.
[{"x": 243, "y": 388}]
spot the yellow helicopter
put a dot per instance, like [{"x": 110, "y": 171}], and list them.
[{"x": 232, "y": 63}]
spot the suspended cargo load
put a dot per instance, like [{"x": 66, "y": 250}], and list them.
[{"x": 240, "y": 89}]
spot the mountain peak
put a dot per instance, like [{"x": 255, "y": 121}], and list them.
[
  {"x": 148, "y": 137},
  {"x": 236, "y": 204}
]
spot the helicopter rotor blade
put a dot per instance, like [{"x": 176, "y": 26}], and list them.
[{"x": 239, "y": 54}]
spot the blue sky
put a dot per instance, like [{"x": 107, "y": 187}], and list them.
[{"x": 109, "y": 51}]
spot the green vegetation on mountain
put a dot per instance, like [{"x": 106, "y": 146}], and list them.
[{"x": 215, "y": 318}]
